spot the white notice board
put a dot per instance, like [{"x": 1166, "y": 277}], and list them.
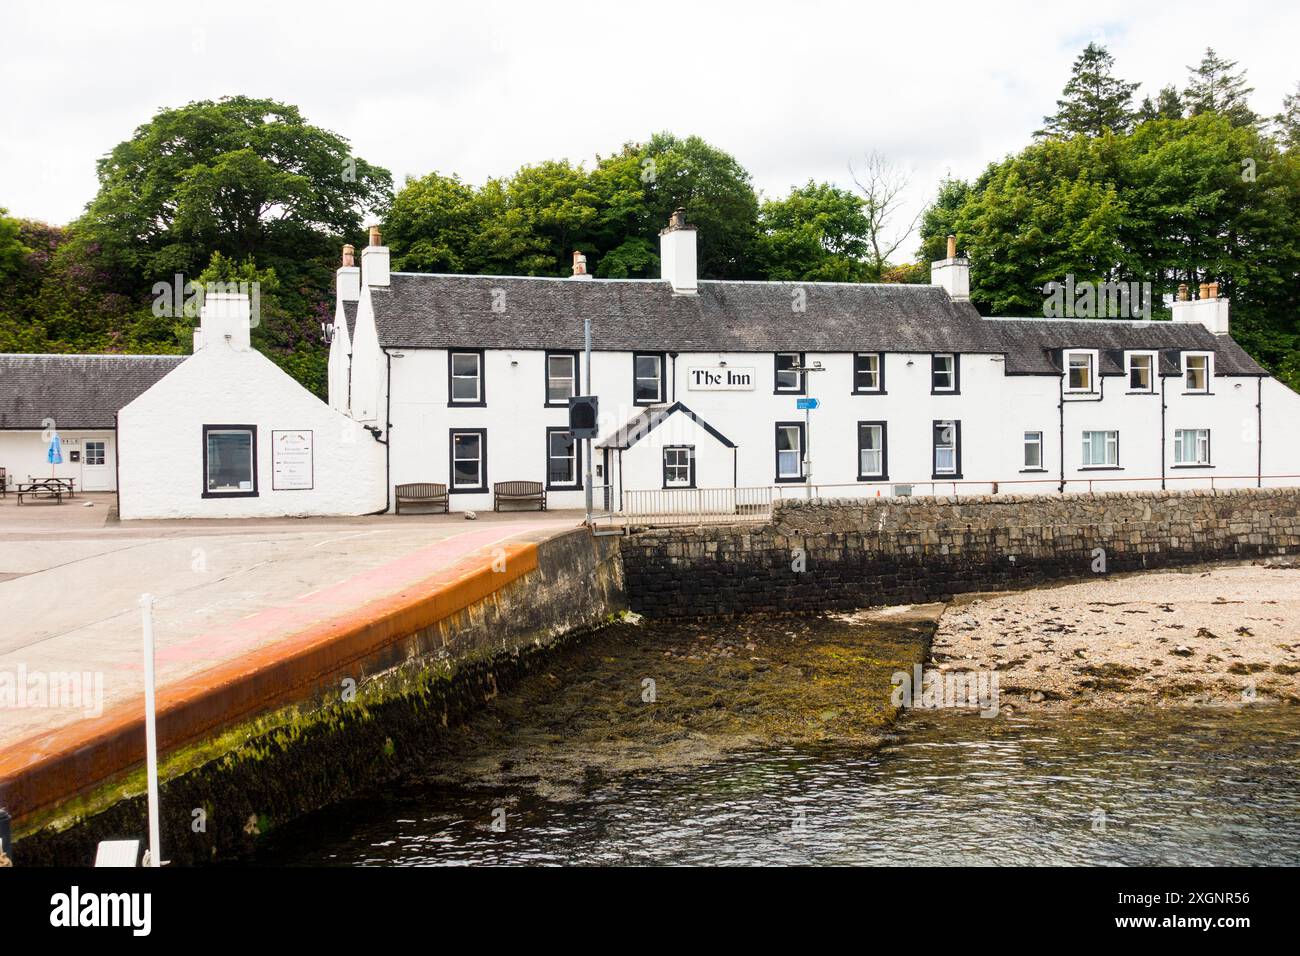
[{"x": 292, "y": 467}]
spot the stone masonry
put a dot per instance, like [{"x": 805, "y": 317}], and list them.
[{"x": 826, "y": 554}]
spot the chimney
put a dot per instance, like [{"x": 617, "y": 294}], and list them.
[
  {"x": 579, "y": 266},
  {"x": 224, "y": 319},
  {"x": 347, "y": 281},
  {"x": 677, "y": 263},
  {"x": 952, "y": 273},
  {"x": 374, "y": 261},
  {"x": 1209, "y": 310}
]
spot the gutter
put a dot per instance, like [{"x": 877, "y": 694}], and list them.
[
  {"x": 388, "y": 425},
  {"x": 1060, "y": 407},
  {"x": 1163, "y": 430},
  {"x": 1259, "y": 430}
]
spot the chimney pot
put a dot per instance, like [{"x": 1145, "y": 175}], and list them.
[
  {"x": 349, "y": 256},
  {"x": 375, "y": 239},
  {"x": 579, "y": 265},
  {"x": 1204, "y": 290},
  {"x": 952, "y": 247},
  {"x": 1182, "y": 292},
  {"x": 1212, "y": 290}
]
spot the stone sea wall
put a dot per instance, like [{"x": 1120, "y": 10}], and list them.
[{"x": 842, "y": 553}]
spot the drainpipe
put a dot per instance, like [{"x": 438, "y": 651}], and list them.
[
  {"x": 1259, "y": 430},
  {"x": 1060, "y": 406},
  {"x": 388, "y": 427},
  {"x": 1164, "y": 431},
  {"x": 673, "y": 356}
]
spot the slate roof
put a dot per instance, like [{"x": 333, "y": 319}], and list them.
[
  {"x": 350, "y": 317},
  {"x": 77, "y": 391},
  {"x": 1034, "y": 346},
  {"x": 645, "y": 421},
  {"x": 457, "y": 311},
  {"x": 437, "y": 311}
]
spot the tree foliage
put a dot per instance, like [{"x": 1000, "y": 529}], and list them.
[{"x": 1094, "y": 99}]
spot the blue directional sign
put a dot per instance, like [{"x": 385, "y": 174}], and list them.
[{"x": 805, "y": 404}]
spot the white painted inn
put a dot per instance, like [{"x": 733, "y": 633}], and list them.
[
  {"x": 700, "y": 386},
  {"x": 465, "y": 380}
]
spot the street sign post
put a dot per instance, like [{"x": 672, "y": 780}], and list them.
[{"x": 806, "y": 404}]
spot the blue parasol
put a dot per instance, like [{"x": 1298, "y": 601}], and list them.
[{"x": 55, "y": 454}]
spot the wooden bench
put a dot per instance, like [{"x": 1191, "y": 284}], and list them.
[
  {"x": 506, "y": 491},
  {"x": 422, "y": 493},
  {"x": 49, "y": 488}
]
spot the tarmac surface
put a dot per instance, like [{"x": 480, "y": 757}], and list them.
[{"x": 71, "y": 581}]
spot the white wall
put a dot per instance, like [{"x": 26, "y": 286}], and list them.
[
  {"x": 22, "y": 454},
  {"x": 161, "y": 442},
  {"x": 994, "y": 409}
]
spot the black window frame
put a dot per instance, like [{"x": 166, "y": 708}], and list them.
[
  {"x": 801, "y": 389},
  {"x": 880, "y": 374},
  {"x": 776, "y": 453},
  {"x": 256, "y": 492},
  {"x": 452, "y": 401},
  {"x": 451, "y": 461},
  {"x": 546, "y": 376},
  {"x": 956, "y": 374},
  {"x": 690, "y": 467},
  {"x": 663, "y": 377},
  {"x": 884, "y": 451},
  {"x": 934, "y": 449},
  {"x": 577, "y": 484}
]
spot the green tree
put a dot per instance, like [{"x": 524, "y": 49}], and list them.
[
  {"x": 431, "y": 225},
  {"x": 818, "y": 233},
  {"x": 1094, "y": 99},
  {"x": 1287, "y": 122},
  {"x": 1168, "y": 105},
  {"x": 716, "y": 192},
  {"x": 12, "y": 251},
  {"x": 1216, "y": 86}
]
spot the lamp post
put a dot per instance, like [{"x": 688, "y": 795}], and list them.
[{"x": 807, "y": 423}]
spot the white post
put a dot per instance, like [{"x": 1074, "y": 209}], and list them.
[
  {"x": 586, "y": 350},
  {"x": 150, "y": 732}
]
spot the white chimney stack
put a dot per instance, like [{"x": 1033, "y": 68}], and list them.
[
  {"x": 952, "y": 273},
  {"x": 347, "y": 281},
  {"x": 677, "y": 261},
  {"x": 224, "y": 318},
  {"x": 1209, "y": 310},
  {"x": 374, "y": 261}
]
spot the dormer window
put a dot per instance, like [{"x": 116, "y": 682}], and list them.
[
  {"x": 1081, "y": 371},
  {"x": 1141, "y": 371},
  {"x": 1196, "y": 372}
]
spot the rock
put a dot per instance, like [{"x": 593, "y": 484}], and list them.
[
  {"x": 471, "y": 515},
  {"x": 1037, "y": 697},
  {"x": 1182, "y": 650}
]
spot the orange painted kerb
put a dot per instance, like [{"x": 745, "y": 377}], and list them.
[{"x": 46, "y": 769}]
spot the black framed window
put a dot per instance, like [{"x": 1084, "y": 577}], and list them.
[
  {"x": 947, "y": 449},
  {"x": 465, "y": 377},
  {"x": 647, "y": 378},
  {"x": 788, "y": 381},
  {"x": 679, "y": 466},
  {"x": 561, "y": 377},
  {"x": 868, "y": 373},
  {"x": 563, "y": 459},
  {"x": 945, "y": 373},
  {"x": 789, "y": 451},
  {"x": 230, "y": 461},
  {"x": 467, "y": 460},
  {"x": 873, "y": 451}
]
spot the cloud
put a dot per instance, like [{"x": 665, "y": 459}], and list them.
[{"x": 795, "y": 91}]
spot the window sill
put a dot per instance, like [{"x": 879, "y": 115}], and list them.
[
  {"x": 467, "y": 404},
  {"x": 678, "y": 488},
  {"x": 1141, "y": 392},
  {"x": 1082, "y": 391},
  {"x": 786, "y": 391},
  {"x": 230, "y": 494},
  {"x": 869, "y": 391},
  {"x": 1202, "y": 467},
  {"x": 1198, "y": 393},
  {"x": 945, "y": 391},
  {"x": 577, "y": 487},
  {"x": 1033, "y": 471},
  {"x": 790, "y": 481},
  {"x": 873, "y": 477},
  {"x": 647, "y": 404},
  {"x": 1102, "y": 468},
  {"x": 953, "y": 477},
  {"x": 468, "y": 491}
]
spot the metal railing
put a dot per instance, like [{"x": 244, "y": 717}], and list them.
[
  {"x": 687, "y": 506},
  {"x": 671, "y": 507}
]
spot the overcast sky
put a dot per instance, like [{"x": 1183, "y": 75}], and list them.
[{"x": 795, "y": 90}]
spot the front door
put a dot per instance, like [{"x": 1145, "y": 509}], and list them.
[{"x": 95, "y": 467}]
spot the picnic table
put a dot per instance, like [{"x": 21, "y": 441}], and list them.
[{"x": 54, "y": 488}]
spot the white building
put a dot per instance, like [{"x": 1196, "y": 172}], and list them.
[
  {"x": 228, "y": 434},
  {"x": 700, "y": 385},
  {"x": 78, "y": 397}
]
